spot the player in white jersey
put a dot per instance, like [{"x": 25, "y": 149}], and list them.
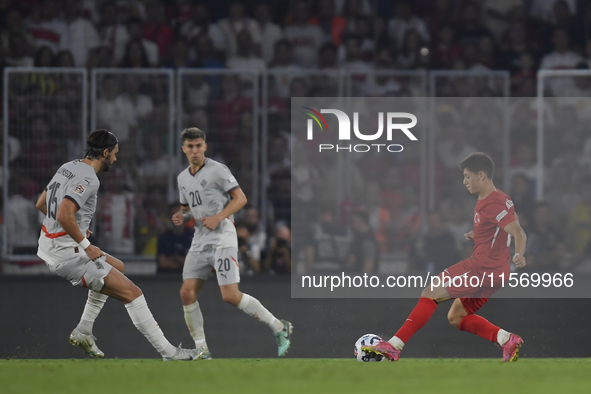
[
  {"x": 68, "y": 203},
  {"x": 210, "y": 194}
]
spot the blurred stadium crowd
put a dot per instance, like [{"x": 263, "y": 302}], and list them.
[{"x": 297, "y": 41}]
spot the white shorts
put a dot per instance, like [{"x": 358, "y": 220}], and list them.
[
  {"x": 222, "y": 261},
  {"x": 78, "y": 268}
]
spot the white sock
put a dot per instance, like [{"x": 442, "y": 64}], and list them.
[
  {"x": 503, "y": 337},
  {"x": 93, "y": 307},
  {"x": 144, "y": 321},
  {"x": 194, "y": 320},
  {"x": 252, "y": 307},
  {"x": 396, "y": 342}
]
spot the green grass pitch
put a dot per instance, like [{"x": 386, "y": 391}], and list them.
[{"x": 474, "y": 376}]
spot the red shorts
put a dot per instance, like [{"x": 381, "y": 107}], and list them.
[{"x": 472, "y": 283}]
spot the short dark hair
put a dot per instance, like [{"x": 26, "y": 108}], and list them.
[
  {"x": 39, "y": 52},
  {"x": 98, "y": 141},
  {"x": 479, "y": 161},
  {"x": 192, "y": 133}
]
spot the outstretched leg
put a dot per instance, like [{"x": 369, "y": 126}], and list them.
[
  {"x": 252, "y": 307},
  {"x": 466, "y": 320},
  {"x": 121, "y": 288},
  {"x": 419, "y": 316}
]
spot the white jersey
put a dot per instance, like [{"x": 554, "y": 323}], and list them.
[
  {"x": 206, "y": 193},
  {"x": 76, "y": 181}
]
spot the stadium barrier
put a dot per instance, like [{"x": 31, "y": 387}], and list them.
[{"x": 59, "y": 98}]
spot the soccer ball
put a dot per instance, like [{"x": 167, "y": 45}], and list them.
[{"x": 367, "y": 340}]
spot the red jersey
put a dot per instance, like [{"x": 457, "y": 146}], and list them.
[{"x": 491, "y": 242}]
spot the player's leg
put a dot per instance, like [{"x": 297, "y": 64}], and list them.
[
  {"x": 115, "y": 263},
  {"x": 228, "y": 275},
  {"x": 80, "y": 271},
  {"x": 461, "y": 315},
  {"x": 193, "y": 316},
  {"x": 250, "y": 305},
  {"x": 95, "y": 304},
  {"x": 118, "y": 286},
  {"x": 196, "y": 270},
  {"x": 431, "y": 296},
  {"x": 420, "y": 315},
  {"x": 253, "y": 307}
]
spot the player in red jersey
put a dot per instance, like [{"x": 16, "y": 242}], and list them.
[{"x": 470, "y": 282}]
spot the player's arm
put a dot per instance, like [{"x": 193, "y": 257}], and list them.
[
  {"x": 182, "y": 216},
  {"x": 66, "y": 217},
  {"x": 238, "y": 201},
  {"x": 515, "y": 230},
  {"x": 42, "y": 202},
  {"x": 469, "y": 235}
]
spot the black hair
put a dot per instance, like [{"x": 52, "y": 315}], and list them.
[
  {"x": 98, "y": 141},
  {"x": 192, "y": 133},
  {"x": 60, "y": 54},
  {"x": 39, "y": 52},
  {"x": 126, "y": 61},
  {"x": 479, "y": 161}
]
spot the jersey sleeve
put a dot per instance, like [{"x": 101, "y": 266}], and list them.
[
  {"x": 182, "y": 198},
  {"x": 81, "y": 189},
  {"x": 500, "y": 213},
  {"x": 225, "y": 179}
]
